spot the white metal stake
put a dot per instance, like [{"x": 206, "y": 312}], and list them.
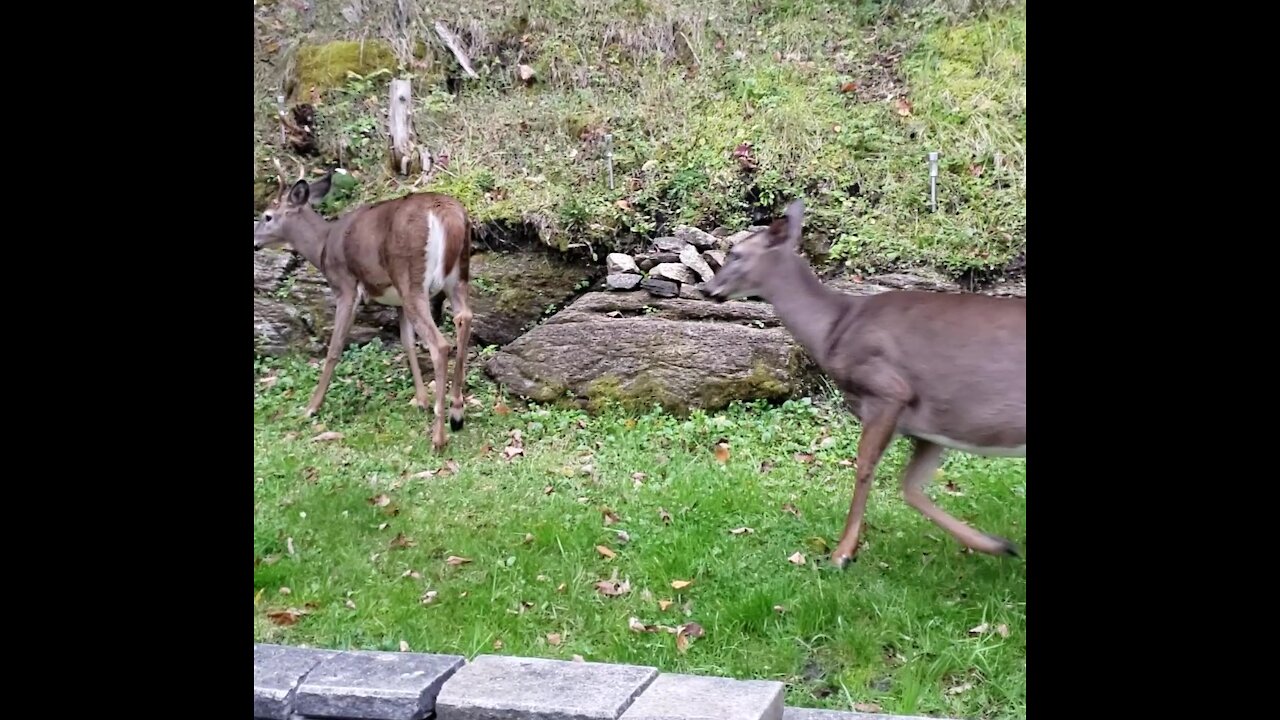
[
  {"x": 608, "y": 156},
  {"x": 280, "y": 109},
  {"x": 933, "y": 181}
]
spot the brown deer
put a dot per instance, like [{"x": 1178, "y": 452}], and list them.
[
  {"x": 948, "y": 371},
  {"x": 410, "y": 252}
]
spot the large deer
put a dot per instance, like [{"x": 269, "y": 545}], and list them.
[
  {"x": 410, "y": 252},
  {"x": 948, "y": 371}
]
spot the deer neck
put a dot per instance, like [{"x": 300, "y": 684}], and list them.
[
  {"x": 311, "y": 236},
  {"x": 806, "y": 307}
]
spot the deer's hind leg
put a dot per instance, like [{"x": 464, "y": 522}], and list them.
[
  {"x": 409, "y": 342},
  {"x": 459, "y": 301},
  {"x": 920, "y": 469},
  {"x": 418, "y": 307}
]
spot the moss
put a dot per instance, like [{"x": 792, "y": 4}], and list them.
[
  {"x": 761, "y": 384},
  {"x": 638, "y": 395},
  {"x": 325, "y": 67},
  {"x": 264, "y": 191}
]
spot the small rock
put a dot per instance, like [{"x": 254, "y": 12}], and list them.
[
  {"x": 673, "y": 271},
  {"x": 646, "y": 262},
  {"x": 696, "y": 237},
  {"x": 714, "y": 259},
  {"x": 660, "y": 288},
  {"x": 669, "y": 244},
  {"x": 691, "y": 292},
  {"x": 526, "y": 73},
  {"x": 692, "y": 260},
  {"x": 738, "y": 237},
  {"x": 621, "y": 263},
  {"x": 622, "y": 281}
]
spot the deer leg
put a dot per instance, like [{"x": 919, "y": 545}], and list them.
[
  {"x": 459, "y": 301},
  {"x": 924, "y": 463},
  {"x": 345, "y": 312},
  {"x": 877, "y": 431},
  {"x": 438, "y": 346},
  {"x": 409, "y": 343}
]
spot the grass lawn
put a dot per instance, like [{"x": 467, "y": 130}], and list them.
[{"x": 356, "y": 534}]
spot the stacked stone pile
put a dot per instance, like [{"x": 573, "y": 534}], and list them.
[{"x": 673, "y": 266}]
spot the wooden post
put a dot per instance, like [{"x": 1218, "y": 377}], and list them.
[{"x": 405, "y": 159}]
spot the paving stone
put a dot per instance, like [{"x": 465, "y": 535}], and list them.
[
  {"x": 375, "y": 685},
  {"x": 808, "y": 714},
  {"x": 277, "y": 670},
  {"x": 696, "y": 697},
  {"x": 494, "y": 687}
]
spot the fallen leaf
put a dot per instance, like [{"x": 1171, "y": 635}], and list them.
[
  {"x": 638, "y": 477},
  {"x": 903, "y": 106},
  {"x": 979, "y": 629},
  {"x": 411, "y": 574},
  {"x": 511, "y": 451},
  {"x": 666, "y": 516},
  {"x": 400, "y": 541},
  {"x": 429, "y": 597},
  {"x": 613, "y": 588},
  {"x": 578, "y": 658},
  {"x": 553, "y": 639},
  {"x": 450, "y": 467},
  {"x": 796, "y": 559},
  {"x": 560, "y": 587},
  {"x": 1002, "y": 630},
  {"x": 384, "y": 526},
  {"x": 455, "y": 560},
  {"x": 624, "y": 537},
  {"x": 788, "y": 507},
  {"x": 956, "y": 690},
  {"x": 548, "y": 489},
  {"x": 804, "y": 457},
  {"x": 269, "y": 381},
  {"x": 623, "y": 205},
  {"x": 975, "y": 170},
  {"x": 766, "y": 466},
  {"x": 722, "y": 452},
  {"x": 404, "y": 646},
  {"x": 285, "y": 591},
  {"x": 741, "y": 531},
  {"x": 286, "y": 617},
  {"x": 636, "y": 626},
  {"x": 664, "y": 604},
  {"x": 610, "y": 517},
  {"x": 500, "y": 408},
  {"x": 526, "y": 73},
  {"x": 606, "y": 552},
  {"x": 952, "y": 489},
  {"x": 685, "y": 633},
  {"x": 779, "y": 609},
  {"x": 498, "y": 644},
  {"x": 351, "y": 603},
  {"x": 848, "y": 87},
  {"x": 380, "y": 500},
  {"x": 681, "y": 584},
  {"x": 528, "y": 538},
  {"x": 866, "y": 707},
  {"x": 423, "y": 474},
  {"x": 257, "y": 597},
  {"x": 288, "y": 546},
  {"x": 845, "y": 463},
  {"x": 327, "y": 436}
]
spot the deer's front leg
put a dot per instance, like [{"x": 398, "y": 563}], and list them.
[
  {"x": 877, "y": 430},
  {"x": 345, "y": 312}
]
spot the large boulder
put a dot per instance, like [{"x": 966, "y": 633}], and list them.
[
  {"x": 512, "y": 291},
  {"x": 638, "y": 350}
]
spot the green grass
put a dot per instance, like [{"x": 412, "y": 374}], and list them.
[
  {"x": 892, "y": 630},
  {"x": 838, "y": 101}
]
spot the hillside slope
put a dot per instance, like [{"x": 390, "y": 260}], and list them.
[{"x": 720, "y": 111}]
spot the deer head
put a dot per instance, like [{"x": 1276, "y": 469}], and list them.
[
  {"x": 280, "y": 220},
  {"x": 748, "y": 265}
]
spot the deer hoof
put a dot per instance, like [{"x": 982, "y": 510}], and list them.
[
  {"x": 1004, "y": 547},
  {"x": 455, "y": 423},
  {"x": 840, "y": 562}
]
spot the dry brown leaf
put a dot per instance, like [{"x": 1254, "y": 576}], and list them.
[
  {"x": 686, "y": 633},
  {"x": 351, "y": 603},
  {"x": 957, "y": 689},
  {"x": 526, "y": 73},
  {"x": 788, "y": 507},
  {"x": 624, "y": 537},
  {"x": 578, "y": 658},
  {"x": 848, "y": 87},
  {"x": 411, "y": 574},
  {"x": 664, "y": 604},
  {"x": 845, "y": 463},
  {"x": 613, "y": 588},
  {"x": 328, "y": 436},
  {"x": 804, "y": 457},
  {"x": 779, "y": 609},
  {"x": 979, "y": 629},
  {"x": 638, "y": 477},
  {"x": 455, "y": 560},
  {"x": 606, "y": 552},
  {"x": 380, "y": 500},
  {"x": 722, "y": 452},
  {"x": 404, "y": 646},
  {"x": 400, "y": 541},
  {"x": 1002, "y": 630},
  {"x": 286, "y": 617},
  {"x": 500, "y": 408},
  {"x": 450, "y": 467},
  {"x": 284, "y": 590},
  {"x": 560, "y": 587},
  {"x": 610, "y": 517},
  {"x": 636, "y": 626},
  {"x": 866, "y": 707},
  {"x": 766, "y": 466},
  {"x": 424, "y": 474},
  {"x": 429, "y": 597},
  {"x": 528, "y": 538},
  {"x": 796, "y": 558},
  {"x": 681, "y": 584},
  {"x": 553, "y": 639},
  {"x": 666, "y": 516},
  {"x": 512, "y": 451},
  {"x": 498, "y": 644},
  {"x": 952, "y": 489},
  {"x": 741, "y": 531},
  {"x": 903, "y": 106},
  {"x": 548, "y": 489}
]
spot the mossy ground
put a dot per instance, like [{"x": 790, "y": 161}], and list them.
[{"x": 720, "y": 110}]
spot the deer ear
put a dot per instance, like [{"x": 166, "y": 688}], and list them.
[
  {"x": 787, "y": 230},
  {"x": 299, "y": 193},
  {"x": 320, "y": 188}
]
